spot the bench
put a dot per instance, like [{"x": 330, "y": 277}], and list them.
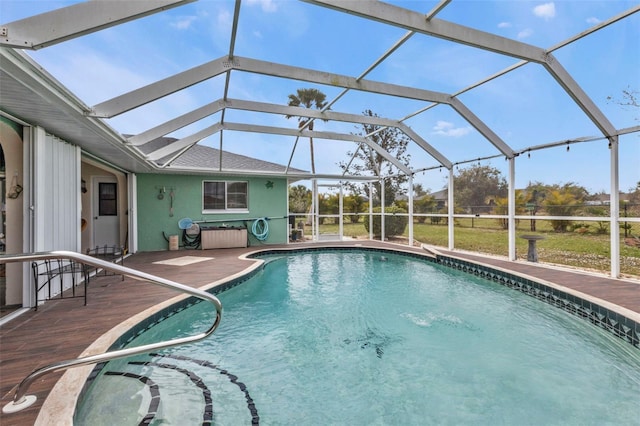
[
  {"x": 114, "y": 254},
  {"x": 56, "y": 278}
]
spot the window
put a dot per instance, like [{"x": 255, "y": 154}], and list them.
[
  {"x": 221, "y": 196},
  {"x": 108, "y": 199}
]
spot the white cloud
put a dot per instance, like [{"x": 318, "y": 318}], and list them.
[
  {"x": 504, "y": 25},
  {"x": 445, "y": 128},
  {"x": 183, "y": 23},
  {"x": 267, "y": 5},
  {"x": 545, "y": 11},
  {"x": 527, "y": 32},
  {"x": 224, "y": 18},
  {"x": 593, "y": 20}
]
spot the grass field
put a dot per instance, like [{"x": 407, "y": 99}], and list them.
[{"x": 589, "y": 250}]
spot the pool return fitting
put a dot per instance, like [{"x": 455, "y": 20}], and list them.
[{"x": 21, "y": 400}]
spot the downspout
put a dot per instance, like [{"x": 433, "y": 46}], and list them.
[
  {"x": 132, "y": 183},
  {"x": 28, "y": 226}
]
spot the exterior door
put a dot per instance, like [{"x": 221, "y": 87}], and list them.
[{"x": 106, "y": 222}]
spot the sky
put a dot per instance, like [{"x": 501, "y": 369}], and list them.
[{"x": 525, "y": 108}]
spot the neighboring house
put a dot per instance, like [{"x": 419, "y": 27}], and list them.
[
  {"x": 441, "y": 197},
  {"x": 605, "y": 199}
]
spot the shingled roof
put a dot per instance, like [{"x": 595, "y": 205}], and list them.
[{"x": 201, "y": 156}]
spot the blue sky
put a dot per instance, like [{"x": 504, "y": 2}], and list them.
[{"x": 525, "y": 108}]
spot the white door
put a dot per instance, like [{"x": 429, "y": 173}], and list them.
[{"x": 106, "y": 223}]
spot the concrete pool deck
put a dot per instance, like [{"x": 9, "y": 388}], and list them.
[{"x": 63, "y": 329}]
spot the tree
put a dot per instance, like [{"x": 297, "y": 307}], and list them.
[
  {"x": 395, "y": 221},
  {"x": 476, "y": 186},
  {"x": 418, "y": 190},
  {"x": 354, "y": 204},
  {"x": 560, "y": 203},
  {"x": 299, "y": 199},
  {"x": 308, "y": 98},
  {"x": 424, "y": 204},
  {"x": 502, "y": 207},
  {"x": 367, "y": 159},
  {"x": 630, "y": 99}
]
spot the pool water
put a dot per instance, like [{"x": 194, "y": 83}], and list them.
[{"x": 364, "y": 338}]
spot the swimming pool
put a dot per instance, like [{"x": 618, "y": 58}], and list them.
[{"x": 360, "y": 337}]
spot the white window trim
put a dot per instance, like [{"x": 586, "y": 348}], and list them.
[{"x": 226, "y": 209}]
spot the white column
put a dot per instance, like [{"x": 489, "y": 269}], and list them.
[
  {"x": 341, "y": 211},
  {"x": 411, "y": 210},
  {"x": 512, "y": 208},
  {"x": 615, "y": 208},
  {"x": 450, "y": 210},
  {"x": 371, "y": 210},
  {"x": 382, "y": 210}
]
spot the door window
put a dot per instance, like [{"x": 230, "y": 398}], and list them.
[{"x": 108, "y": 199}]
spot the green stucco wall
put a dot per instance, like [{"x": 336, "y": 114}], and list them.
[{"x": 154, "y": 219}]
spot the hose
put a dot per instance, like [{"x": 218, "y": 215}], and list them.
[{"x": 260, "y": 229}]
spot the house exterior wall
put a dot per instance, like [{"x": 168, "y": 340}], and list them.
[{"x": 264, "y": 199}]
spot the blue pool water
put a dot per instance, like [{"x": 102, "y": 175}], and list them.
[{"x": 360, "y": 338}]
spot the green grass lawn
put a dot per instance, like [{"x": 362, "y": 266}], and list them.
[{"x": 590, "y": 250}]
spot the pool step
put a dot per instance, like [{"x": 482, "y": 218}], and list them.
[{"x": 169, "y": 395}]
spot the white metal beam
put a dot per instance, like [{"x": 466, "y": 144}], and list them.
[
  {"x": 243, "y": 105},
  {"x": 161, "y": 88},
  {"x": 177, "y": 123},
  {"x": 579, "y": 96},
  {"x": 482, "y": 128},
  {"x": 414, "y": 21},
  {"x": 177, "y": 82},
  {"x": 339, "y": 116},
  {"x": 69, "y": 22},
  {"x": 439, "y": 157},
  {"x": 337, "y": 80},
  {"x": 183, "y": 143},
  {"x": 319, "y": 135}
]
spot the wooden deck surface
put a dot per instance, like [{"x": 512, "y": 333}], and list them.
[{"x": 62, "y": 329}]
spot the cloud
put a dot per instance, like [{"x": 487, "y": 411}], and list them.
[
  {"x": 184, "y": 22},
  {"x": 504, "y": 25},
  {"x": 267, "y": 5},
  {"x": 445, "y": 128},
  {"x": 593, "y": 20},
  {"x": 545, "y": 11},
  {"x": 527, "y": 32},
  {"x": 224, "y": 18}
]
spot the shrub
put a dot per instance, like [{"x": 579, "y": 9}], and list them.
[{"x": 393, "y": 224}]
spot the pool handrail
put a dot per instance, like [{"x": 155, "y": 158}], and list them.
[{"x": 22, "y": 401}]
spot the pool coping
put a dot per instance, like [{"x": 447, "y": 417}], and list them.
[{"x": 60, "y": 405}]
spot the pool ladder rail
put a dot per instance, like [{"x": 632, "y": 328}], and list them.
[{"x": 21, "y": 400}]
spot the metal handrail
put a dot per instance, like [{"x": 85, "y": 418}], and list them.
[{"x": 22, "y": 401}]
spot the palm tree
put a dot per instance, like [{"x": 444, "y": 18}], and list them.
[{"x": 308, "y": 98}]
